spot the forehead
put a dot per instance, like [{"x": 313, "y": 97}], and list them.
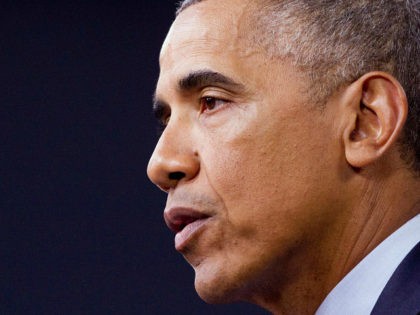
[
  {"x": 217, "y": 36},
  {"x": 212, "y": 27}
]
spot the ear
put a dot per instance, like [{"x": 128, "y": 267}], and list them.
[{"x": 376, "y": 112}]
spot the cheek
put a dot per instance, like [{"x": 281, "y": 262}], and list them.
[
  {"x": 263, "y": 171},
  {"x": 247, "y": 151},
  {"x": 241, "y": 169}
]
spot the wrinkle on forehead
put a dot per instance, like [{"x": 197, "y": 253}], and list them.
[{"x": 218, "y": 25}]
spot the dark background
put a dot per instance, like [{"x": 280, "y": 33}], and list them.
[{"x": 81, "y": 226}]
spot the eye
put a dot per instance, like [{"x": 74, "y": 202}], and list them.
[
  {"x": 209, "y": 103},
  {"x": 162, "y": 123}
]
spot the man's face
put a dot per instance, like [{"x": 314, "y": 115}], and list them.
[{"x": 242, "y": 155}]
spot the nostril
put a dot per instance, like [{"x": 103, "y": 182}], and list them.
[{"x": 176, "y": 175}]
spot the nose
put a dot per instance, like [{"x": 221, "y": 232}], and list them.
[{"x": 173, "y": 160}]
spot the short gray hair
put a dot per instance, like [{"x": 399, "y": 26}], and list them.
[{"x": 336, "y": 42}]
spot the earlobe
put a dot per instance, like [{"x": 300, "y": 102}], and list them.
[{"x": 378, "y": 110}]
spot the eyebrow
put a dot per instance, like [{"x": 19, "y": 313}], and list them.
[
  {"x": 194, "y": 81},
  {"x": 202, "y": 78}
]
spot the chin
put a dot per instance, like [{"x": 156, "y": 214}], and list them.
[
  {"x": 214, "y": 294},
  {"x": 217, "y": 286}
]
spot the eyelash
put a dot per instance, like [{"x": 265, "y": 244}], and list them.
[
  {"x": 205, "y": 100},
  {"x": 203, "y": 108},
  {"x": 160, "y": 128},
  {"x": 162, "y": 123}
]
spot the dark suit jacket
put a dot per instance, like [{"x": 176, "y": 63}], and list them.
[{"x": 401, "y": 295}]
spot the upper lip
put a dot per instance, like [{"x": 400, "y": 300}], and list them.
[{"x": 177, "y": 218}]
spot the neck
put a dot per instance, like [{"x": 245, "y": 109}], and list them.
[{"x": 382, "y": 207}]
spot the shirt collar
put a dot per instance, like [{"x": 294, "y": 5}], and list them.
[{"x": 359, "y": 290}]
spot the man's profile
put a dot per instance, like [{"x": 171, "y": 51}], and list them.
[{"x": 291, "y": 152}]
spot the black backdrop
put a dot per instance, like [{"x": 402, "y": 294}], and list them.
[{"x": 81, "y": 226}]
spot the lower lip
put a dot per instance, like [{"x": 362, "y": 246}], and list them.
[{"x": 182, "y": 237}]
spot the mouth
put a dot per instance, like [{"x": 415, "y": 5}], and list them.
[{"x": 185, "y": 222}]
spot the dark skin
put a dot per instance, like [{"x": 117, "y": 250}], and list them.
[{"x": 287, "y": 198}]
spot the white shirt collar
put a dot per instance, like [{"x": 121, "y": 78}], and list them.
[{"x": 359, "y": 290}]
